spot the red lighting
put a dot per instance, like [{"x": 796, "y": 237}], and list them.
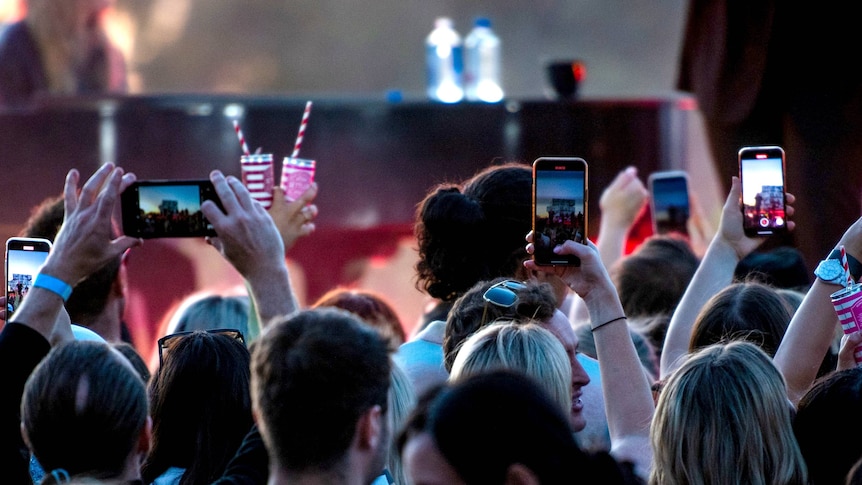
[
  {"x": 760, "y": 156},
  {"x": 579, "y": 71}
]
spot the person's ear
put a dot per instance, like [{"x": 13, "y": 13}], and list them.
[
  {"x": 146, "y": 438},
  {"x": 370, "y": 428},
  {"x": 24, "y": 435},
  {"x": 519, "y": 474},
  {"x": 118, "y": 286}
]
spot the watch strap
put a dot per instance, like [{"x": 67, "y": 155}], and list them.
[{"x": 852, "y": 263}]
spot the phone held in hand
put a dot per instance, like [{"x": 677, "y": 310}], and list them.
[
  {"x": 24, "y": 257},
  {"x": 669, "y": 202},
  {"x": 761, "y": 172},
  {"x": 167, "y": 208},
  {"x": 559, "y": 208}
]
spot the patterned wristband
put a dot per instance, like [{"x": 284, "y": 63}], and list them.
[{"x": 54, "y": 285}]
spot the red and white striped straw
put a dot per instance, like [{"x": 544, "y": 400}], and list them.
[
  {"x": 301, "y": 134},
  {"x": 846, "y": 266},
  {"x": 239, "y": 135}
]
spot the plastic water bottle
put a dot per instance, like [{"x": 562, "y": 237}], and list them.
[
  {"x": 482, "y": 63},
  {"x": 444, "y": 62}
]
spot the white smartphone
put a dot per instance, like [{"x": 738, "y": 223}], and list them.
[
  {"x": 761, "y": 171},
  {"x": 24, "y": 257},
  {"x": 669, "y": 202}
]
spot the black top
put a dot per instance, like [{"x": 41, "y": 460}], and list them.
[{"x": 21, "y": 349}]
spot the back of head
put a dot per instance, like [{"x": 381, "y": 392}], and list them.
[
  {"x": 471, "y": 312},
  {"x": 400, "y": 403},
  {"x": 724, "y": 417},
  {"x": 652, "y": 280},
  {"x": 473, "y": 231},
  {"x": 84, "y": 409},
  {"x": 130, "y": 353},
  {"x": 779, "y": 267},
  {"x": 201, "y": 406},
  {"x": 210, "y": 312},
  {"x": 825, "y": 408},
  {"x": 473, "y": 424},
  {"x": 371, "y": 307},
  {"x": 313, "y": 375},
  {"x": 742, "y": 311},
  {"x": 526, "y": 348}
]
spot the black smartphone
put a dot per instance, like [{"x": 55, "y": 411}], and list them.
[
  {"x": 167, "y": 208},
  {"x": 669, "y": 203},
  {"x": 761, "y": 171},
  {"x": 559, "y": 208},
  {"x": 24, "y": 257}
]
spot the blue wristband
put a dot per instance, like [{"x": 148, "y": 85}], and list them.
[{"x": 54, "y": 285}]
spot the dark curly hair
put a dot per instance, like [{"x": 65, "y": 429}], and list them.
[{"x": 473, "y": 231}]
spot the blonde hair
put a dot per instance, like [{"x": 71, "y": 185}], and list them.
[
  {"x": 724, "y": 418},
  {"x": 400, "y": 403},
  {"x": 528, "y": 348}
]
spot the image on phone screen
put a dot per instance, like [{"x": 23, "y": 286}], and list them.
[
  {"x": 160, "y": 209},
  {"x": 669, "y": 202},
  {"x": 23, "y": 260},
  {"x": 762, "y": 175},
  {"x": 560, "y": 211}
]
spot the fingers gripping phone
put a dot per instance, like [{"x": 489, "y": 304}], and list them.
[
  {"x": 559, "y": 208},
  {"x": 669, "y": 202},
  {"x": 761, "y": 172},
  {"x": 24, "y": 257},
  {"x": 167, "y": 208}
]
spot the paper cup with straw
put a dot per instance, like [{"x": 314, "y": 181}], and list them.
[
  {"x": 848, "y": 306},
  {"x": 297, "y": 174},
  {"x": 257, "y": 172}
]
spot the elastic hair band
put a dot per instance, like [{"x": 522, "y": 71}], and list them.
[
  {"x": 60, "y": 476},
  {"x": 593, "y": 329},
  {"x": 54, "y": 285}
]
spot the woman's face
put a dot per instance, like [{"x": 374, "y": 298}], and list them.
[{"x": 425, "y": 465}]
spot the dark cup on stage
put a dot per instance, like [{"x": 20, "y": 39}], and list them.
[{"x": 565, "y": 76}]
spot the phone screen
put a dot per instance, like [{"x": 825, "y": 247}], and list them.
[
  {"x": 669, "y": 202},
  {"x": 160, "y": 209},
  {"x": 559, "y": 207},
  {"x": 24, "y": 257},
  {"x": 761, "y": 171}
]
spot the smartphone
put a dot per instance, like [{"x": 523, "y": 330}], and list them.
[
  {"x": 761, "y": 171},
  {"x": 559, "y": 208},
  {"x": 167, "y": 208},
  {"x": 669, "y": 204},
  {"x": 24, "y": 257}
]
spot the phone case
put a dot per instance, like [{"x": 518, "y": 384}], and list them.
[
  {"x": 669, "y": 201},
  {"x": 761, "y": 172},
  {"x": 24, "y": 257},
  {"x": 167, "y": 208},
  {"x": 559, "y": 207}
]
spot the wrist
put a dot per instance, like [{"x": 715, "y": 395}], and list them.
[
  {"x": 853, "y": 264},
  {"x": 723, "y": 249},
  {"x": 53, "y": 284},
  {"x": 60, "y": 272}
]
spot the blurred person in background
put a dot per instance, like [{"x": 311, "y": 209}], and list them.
[{"x": 59, "y": 48}]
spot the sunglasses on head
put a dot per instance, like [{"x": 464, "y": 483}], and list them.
[
  {"x": 168, "y": 342},
  {"x": 503, "y": 293}
]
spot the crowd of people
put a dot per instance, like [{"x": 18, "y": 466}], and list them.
[{"x": 667, "y": 364}]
